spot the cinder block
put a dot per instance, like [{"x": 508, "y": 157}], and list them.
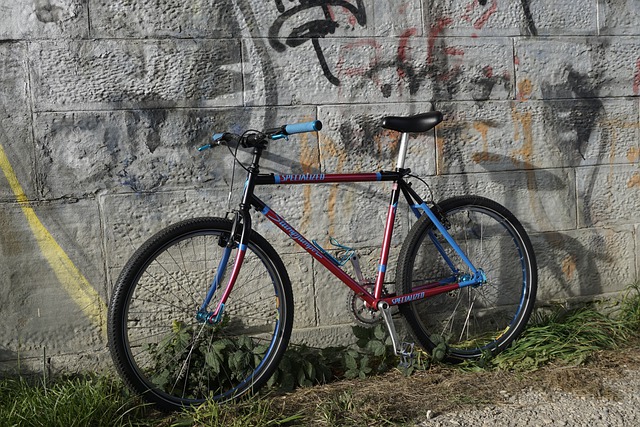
[
  {"x": 498, "y": 136},
  {"x": 131, "y": 219},
  {"x": 608, "y": 195},
  {"x": 151, "y": 19},
  {"x": 500, "y": 18},
  {"x": 43, "y": 19},
  {"x": 287, "y": 23},
  {"x": 621, "y": 17},
  {"x": 384, "y": 70},
  {"x": 82, "y": 153},
  {"x": 323, "y": 337},
  {"x": 399, "y": 19},
  {"x": 577, "y": 68},
  {"x": 304, "y": 287},
  {"x": 15, "y": 121},
  {"x": 585, "y": 262},
  {"x": 116, "y": 74},
  {"x": 491, "y": 136},
  {"x": 38, "y": 254},
  {"x": 589, "y": 131},
  {"x": 558, "y": 17}
]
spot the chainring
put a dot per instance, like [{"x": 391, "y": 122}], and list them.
[{"x": 364, "y": 315}]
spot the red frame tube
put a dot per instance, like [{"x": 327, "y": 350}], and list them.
[
  {"x": 372, "y": 300},
  {"x": 242, "y": 250},
  {"x": 315, "y": 253},
  {"x": 386, "y": 243}
]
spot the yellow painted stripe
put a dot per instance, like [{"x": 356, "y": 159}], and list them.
[{"x": 71, "y": 279}]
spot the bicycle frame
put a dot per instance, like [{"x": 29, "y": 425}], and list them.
[{"x": 372, "y": 299}]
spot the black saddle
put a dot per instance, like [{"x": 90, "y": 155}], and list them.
[{"x": 413, "y": 124}]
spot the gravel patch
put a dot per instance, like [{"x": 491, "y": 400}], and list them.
[{"x": 620, "y": 407}]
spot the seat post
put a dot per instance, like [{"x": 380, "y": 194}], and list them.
[{"x": 402, "y": 152}]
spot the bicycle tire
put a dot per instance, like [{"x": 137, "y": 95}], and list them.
[
  {"x": 159, "y": 348},
  {"x": 472, "y": 321}
]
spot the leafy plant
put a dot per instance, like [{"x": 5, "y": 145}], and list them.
[
  {"x": 375, "y": 353},
  {"x": 210, "y": 354},
  {"x": 303, "y": 366},
  {"x": 630, "y": 309}
]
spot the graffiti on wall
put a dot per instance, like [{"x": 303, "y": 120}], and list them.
[
  {"x": 318, "y": 26},
  {"x": 313, "y": 20}
]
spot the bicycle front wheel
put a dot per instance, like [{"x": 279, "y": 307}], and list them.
[
  {"x": 163, "y": 351},
  {"x": 472, "y": 320}
]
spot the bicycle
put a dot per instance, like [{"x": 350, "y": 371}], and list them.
[{"x": 204, "y": 308}]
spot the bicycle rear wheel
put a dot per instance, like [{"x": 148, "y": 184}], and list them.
[
  {"x": 472, "y": 320},
  {"x": 159, "y": 347}
]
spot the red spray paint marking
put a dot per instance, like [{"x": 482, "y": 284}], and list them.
[
  {"x": 358, "y": 71},
  {"x": 480, "y": 22},
  {"x": 453, "y": 51},
  {"x": 402, "y": 48},
  {"x": 485, "y": 16},
  {"x": 488, "y": 71},
  {"x": 332, "y": 14}
]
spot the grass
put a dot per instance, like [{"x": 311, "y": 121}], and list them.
[
  {"x": 562, "y": 347},
  {"x": 74, "y": 401},
  {"x": 570, "y": 335},
  {"x": 567, "y": 336}
]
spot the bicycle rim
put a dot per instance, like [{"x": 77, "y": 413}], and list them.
[{"x": 169, "y": 356}]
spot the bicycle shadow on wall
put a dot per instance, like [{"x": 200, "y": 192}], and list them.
[{"x": 565, "y": 258}]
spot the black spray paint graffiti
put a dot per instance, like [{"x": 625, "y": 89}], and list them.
[{"x": 315, "y": 29}]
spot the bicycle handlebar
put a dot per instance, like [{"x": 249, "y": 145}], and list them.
[
  {"x": 273, "y": 134},
  {"x": 314, "y": 125}
]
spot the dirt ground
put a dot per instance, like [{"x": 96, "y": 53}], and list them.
[{"x": 443, "y": 389}]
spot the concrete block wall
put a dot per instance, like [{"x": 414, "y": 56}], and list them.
[{"x": 103, "y": 104}]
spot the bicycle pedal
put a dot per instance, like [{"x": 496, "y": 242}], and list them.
[{"x": 406, "y": 355}]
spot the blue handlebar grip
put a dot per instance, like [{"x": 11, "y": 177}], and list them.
[
  {"x": 303, "y": 127},
  {"x": 217, "y": 136}
]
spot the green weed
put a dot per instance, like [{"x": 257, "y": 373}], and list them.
[
  {"x": 570, "y": 336},
  {"x": 246, "y": 413},
  {"x": 68, "y": 402}
]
